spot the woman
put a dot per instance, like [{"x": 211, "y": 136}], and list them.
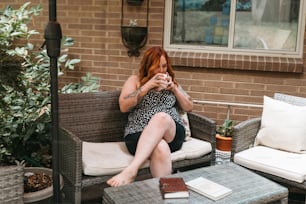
[{"x": 154, "y": 128}]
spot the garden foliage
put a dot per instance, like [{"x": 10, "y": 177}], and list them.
[{"x": 25, "y": 115}]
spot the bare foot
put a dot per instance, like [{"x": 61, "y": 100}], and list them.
[{"x": 125, "y": 177}]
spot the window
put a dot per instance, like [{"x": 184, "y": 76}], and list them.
[{"x": 246, "y": 27}]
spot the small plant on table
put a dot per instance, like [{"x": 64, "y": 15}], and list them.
[{"x": 224, "y": 135}]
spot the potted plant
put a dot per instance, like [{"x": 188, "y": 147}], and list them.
[
  {"x": 223, "y": 136},
  {"x": 38, "y": 185},
  {"x": 134, "y": 37},
  {"x": 25, "y": 118}
]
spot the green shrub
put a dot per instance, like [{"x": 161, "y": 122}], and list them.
[{"x": 25, "y": 120}]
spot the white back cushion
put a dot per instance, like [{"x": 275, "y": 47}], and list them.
[{"x": 283, "y": 126}]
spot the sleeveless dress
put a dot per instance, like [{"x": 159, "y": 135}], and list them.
[{"x": 153, "y": 102}]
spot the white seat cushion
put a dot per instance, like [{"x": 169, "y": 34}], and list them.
[
  {"x": 291, "y": 166},
  {"x": 105, "y": 158},
  {"x": 109, "y": 158},
  {"x": 195, "y": 148}
]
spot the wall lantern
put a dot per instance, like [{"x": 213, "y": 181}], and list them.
[{"x": 134, "y": 36}]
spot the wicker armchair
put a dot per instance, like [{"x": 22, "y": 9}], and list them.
[
  {"x": 95, "y": 117},
  {"x": 244, "y": 135}
]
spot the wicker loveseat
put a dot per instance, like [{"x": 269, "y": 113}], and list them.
[
  {"x": 284, "y": 167},
  {"x": 96, "y": 118}
]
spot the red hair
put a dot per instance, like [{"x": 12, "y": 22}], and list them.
[{"x": 150, "y": 62}]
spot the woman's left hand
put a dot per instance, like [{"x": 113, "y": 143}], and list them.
[
  {"x": 182, "y": 97},
  {"x": 171, "y": 85}
]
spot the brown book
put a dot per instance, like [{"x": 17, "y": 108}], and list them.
[{"x": 173, "y": 187}]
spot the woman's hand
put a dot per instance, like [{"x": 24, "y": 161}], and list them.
[
  {"x": 171, "y": 86},
  {"x": 159, "y": 82}
]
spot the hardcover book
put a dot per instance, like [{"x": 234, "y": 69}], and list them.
[
  {"x": 208, "y": 188},
  {"x": 173, "y": 187}
]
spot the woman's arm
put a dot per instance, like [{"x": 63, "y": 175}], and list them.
[
  {"x": 184, "y": 100},
  {"x": 132, "y": 92}
]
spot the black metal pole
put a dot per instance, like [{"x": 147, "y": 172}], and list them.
[{"x": 53, "y": 36}]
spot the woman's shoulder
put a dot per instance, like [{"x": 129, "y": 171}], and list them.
[
  {"x": 132, "y": 81},
  {"x": 133, "y": 77}
]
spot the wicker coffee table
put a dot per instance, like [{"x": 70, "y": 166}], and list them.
[{"x": 247, "y": 187}]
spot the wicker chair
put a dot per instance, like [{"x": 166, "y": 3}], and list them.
[
  {"x": 95, "y": 117},
  {"x": 244, "y": 135}
]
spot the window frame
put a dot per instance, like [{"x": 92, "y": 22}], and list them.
[{"x": 298, "y": 54}]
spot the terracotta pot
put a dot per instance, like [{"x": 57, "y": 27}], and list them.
[{"x": 223, "y": 143}]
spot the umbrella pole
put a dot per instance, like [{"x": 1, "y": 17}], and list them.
[{"x": 53, "y": 36}]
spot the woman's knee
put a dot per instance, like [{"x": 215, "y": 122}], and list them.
[{"x": 163, "y": 119}]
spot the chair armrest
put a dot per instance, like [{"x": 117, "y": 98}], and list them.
[
  {"x": 203, "y": 128},
  {"x": 244, "y": 135},
  {"x": 70, "y": 147}
]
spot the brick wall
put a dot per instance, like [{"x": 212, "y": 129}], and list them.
[{"x": 95, "y": 27}]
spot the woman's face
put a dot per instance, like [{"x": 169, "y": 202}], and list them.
[{"x": 162, "y": 66}]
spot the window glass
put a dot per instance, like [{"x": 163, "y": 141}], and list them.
[
  {"x": 253, "y": 25},
  {"x": 267, "y": 24},
  {"x": 200, "y": 22}
]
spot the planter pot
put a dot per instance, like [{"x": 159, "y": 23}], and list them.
[
  {"x": 134, "y": 38},
  {"x": 11, "y": 184},
  {"x": 223, "y": 143},
  {"x": 42, "y": 196}
]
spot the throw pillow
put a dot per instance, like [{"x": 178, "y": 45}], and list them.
[
  {"x": 282, "y": 126},
  {"x": 185, "y": 119}
]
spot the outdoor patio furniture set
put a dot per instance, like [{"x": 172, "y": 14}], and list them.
[
  {"x": 92, "y": 148},
  {"x": 92, "y": 151}
]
